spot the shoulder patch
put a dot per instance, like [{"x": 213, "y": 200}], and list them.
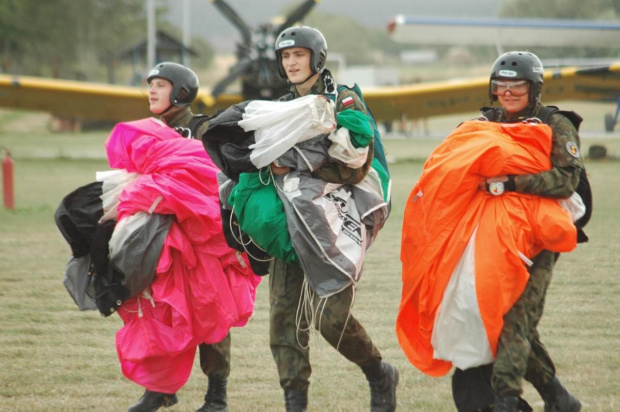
[
  {"x": 347, "y": 101},
  {"x": 572, "y": 149}
]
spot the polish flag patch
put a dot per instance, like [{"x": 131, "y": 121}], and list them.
[{"x": 347, "y": 101}]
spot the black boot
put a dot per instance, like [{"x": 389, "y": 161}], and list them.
[
  {"x": 296, "y": 400},
  {"x": 557, "y": 398},
  {"x": 506, "y": 403},
  {"x": 216, "y": 399},
  {"x": 152, "y": 401},
  {"x": 383, "y": 380}
]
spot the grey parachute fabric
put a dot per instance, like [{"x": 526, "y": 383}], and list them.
[
  {"x": 332, "y": 226},
  {"x": 135, "y": 248},
  {"x": 78, "y": 283}
]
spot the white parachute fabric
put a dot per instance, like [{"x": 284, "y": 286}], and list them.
[
  {"x": 278, "y": 126},
  {"x": 114, "y": 182},
  {"x": 459, "y": 335},
  {"x": 343, "y": 150},
  {"x": 574, "y": 206}
]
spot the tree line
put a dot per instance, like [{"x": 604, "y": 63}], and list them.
[
  {"x": 75, "y": 39},
  {"x": 81, "y": 39}
]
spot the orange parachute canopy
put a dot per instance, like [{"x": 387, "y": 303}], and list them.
[{"x": 446, "y": 208}]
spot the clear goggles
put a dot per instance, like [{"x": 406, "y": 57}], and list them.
[{"x": 515, "y": 87}]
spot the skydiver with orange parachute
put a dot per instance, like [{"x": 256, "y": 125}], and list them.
[{"x": 495, "y": 205}]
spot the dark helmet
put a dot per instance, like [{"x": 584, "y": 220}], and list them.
[
  {"x": 306, "y": 37},
  {"x": 184, "y": 82},
  {"x": 519, "y": 65}
]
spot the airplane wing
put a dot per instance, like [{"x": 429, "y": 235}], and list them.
[
  {"x": 74, "y": 98},
  {"x": 468, "y": 95},
  {"x": 120, "y": 103},
  {"x": 91, "y": 101}
]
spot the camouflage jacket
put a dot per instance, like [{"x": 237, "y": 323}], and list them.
[
  {"x": 335, "y": 171},
  {"x": 563, "y": 177}
]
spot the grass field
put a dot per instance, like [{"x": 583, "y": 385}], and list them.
[{"x": 56, "y": 358}]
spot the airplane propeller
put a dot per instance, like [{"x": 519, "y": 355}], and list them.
[{"x": 256, "y": 59}]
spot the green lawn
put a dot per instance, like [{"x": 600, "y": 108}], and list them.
[{"x": 56, "y": 358}]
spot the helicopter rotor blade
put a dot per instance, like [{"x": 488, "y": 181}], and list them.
[
  {"x": 234, "y": 18},
  {"x": 296, "y": 15},
  {"x": 238, "y": 70}
]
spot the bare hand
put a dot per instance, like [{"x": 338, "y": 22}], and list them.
[{"x": 277, "y": 170}]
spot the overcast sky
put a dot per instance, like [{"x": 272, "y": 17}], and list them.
[{"x": 208, "y": 23}]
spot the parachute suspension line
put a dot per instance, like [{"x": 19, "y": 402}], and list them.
[
  {"x": 304, "y": 314},
  {"x": 318, "y": 316},
  {"x": 144, "y": 295},
  {"x": 270, "y": 175},
  {"x": 230, "y": 223},
  {"x": 242, "y": 243},
  {"x": 346, "y": 322}
]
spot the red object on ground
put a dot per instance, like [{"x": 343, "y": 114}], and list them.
[{"x": 7, "y": 182}]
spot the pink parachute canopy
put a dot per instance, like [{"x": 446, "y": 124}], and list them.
[{"x": 202, "y": 287}]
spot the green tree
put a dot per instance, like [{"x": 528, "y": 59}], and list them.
[{"x": 68, "y": 38}]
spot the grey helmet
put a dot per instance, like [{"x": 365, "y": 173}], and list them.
[
  {"x": 184, "y": 82},
  {"x": 306, "y": 37},
  {"x": 519, "y": 65}
]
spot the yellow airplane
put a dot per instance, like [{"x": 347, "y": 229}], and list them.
[
  {"x": 93, "y": 101},
  {"x": 599, "y": 83}
]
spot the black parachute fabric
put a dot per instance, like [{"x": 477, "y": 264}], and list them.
[
  {"x": 77, "y": 217},
  {"x": 228, "y": 144},
  {"x": 89, "y": 278},
  {"x": 94, "y": 278},
  {"x": 109, "y": 282}
]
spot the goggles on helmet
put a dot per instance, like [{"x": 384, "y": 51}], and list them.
[{"x": 515, "y": 87}]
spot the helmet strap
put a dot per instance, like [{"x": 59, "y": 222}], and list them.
[{"x": 307, "y": 78}]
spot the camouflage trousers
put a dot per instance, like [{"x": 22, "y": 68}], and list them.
[
  {"x": 289, "y": 345},
  {"x": 520, "y": 353},
  {"x": 215, "y": 358}
]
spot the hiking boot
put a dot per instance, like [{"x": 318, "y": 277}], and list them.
[
  {"x": 216, "y": 399},
  {"x": 505, "y": 403},
  {"x": 557, "y": 398},
  {"x": 296, "y": 400},
  {"x": 152, "y": 401},
  {"x": 383, "y": 380}
]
